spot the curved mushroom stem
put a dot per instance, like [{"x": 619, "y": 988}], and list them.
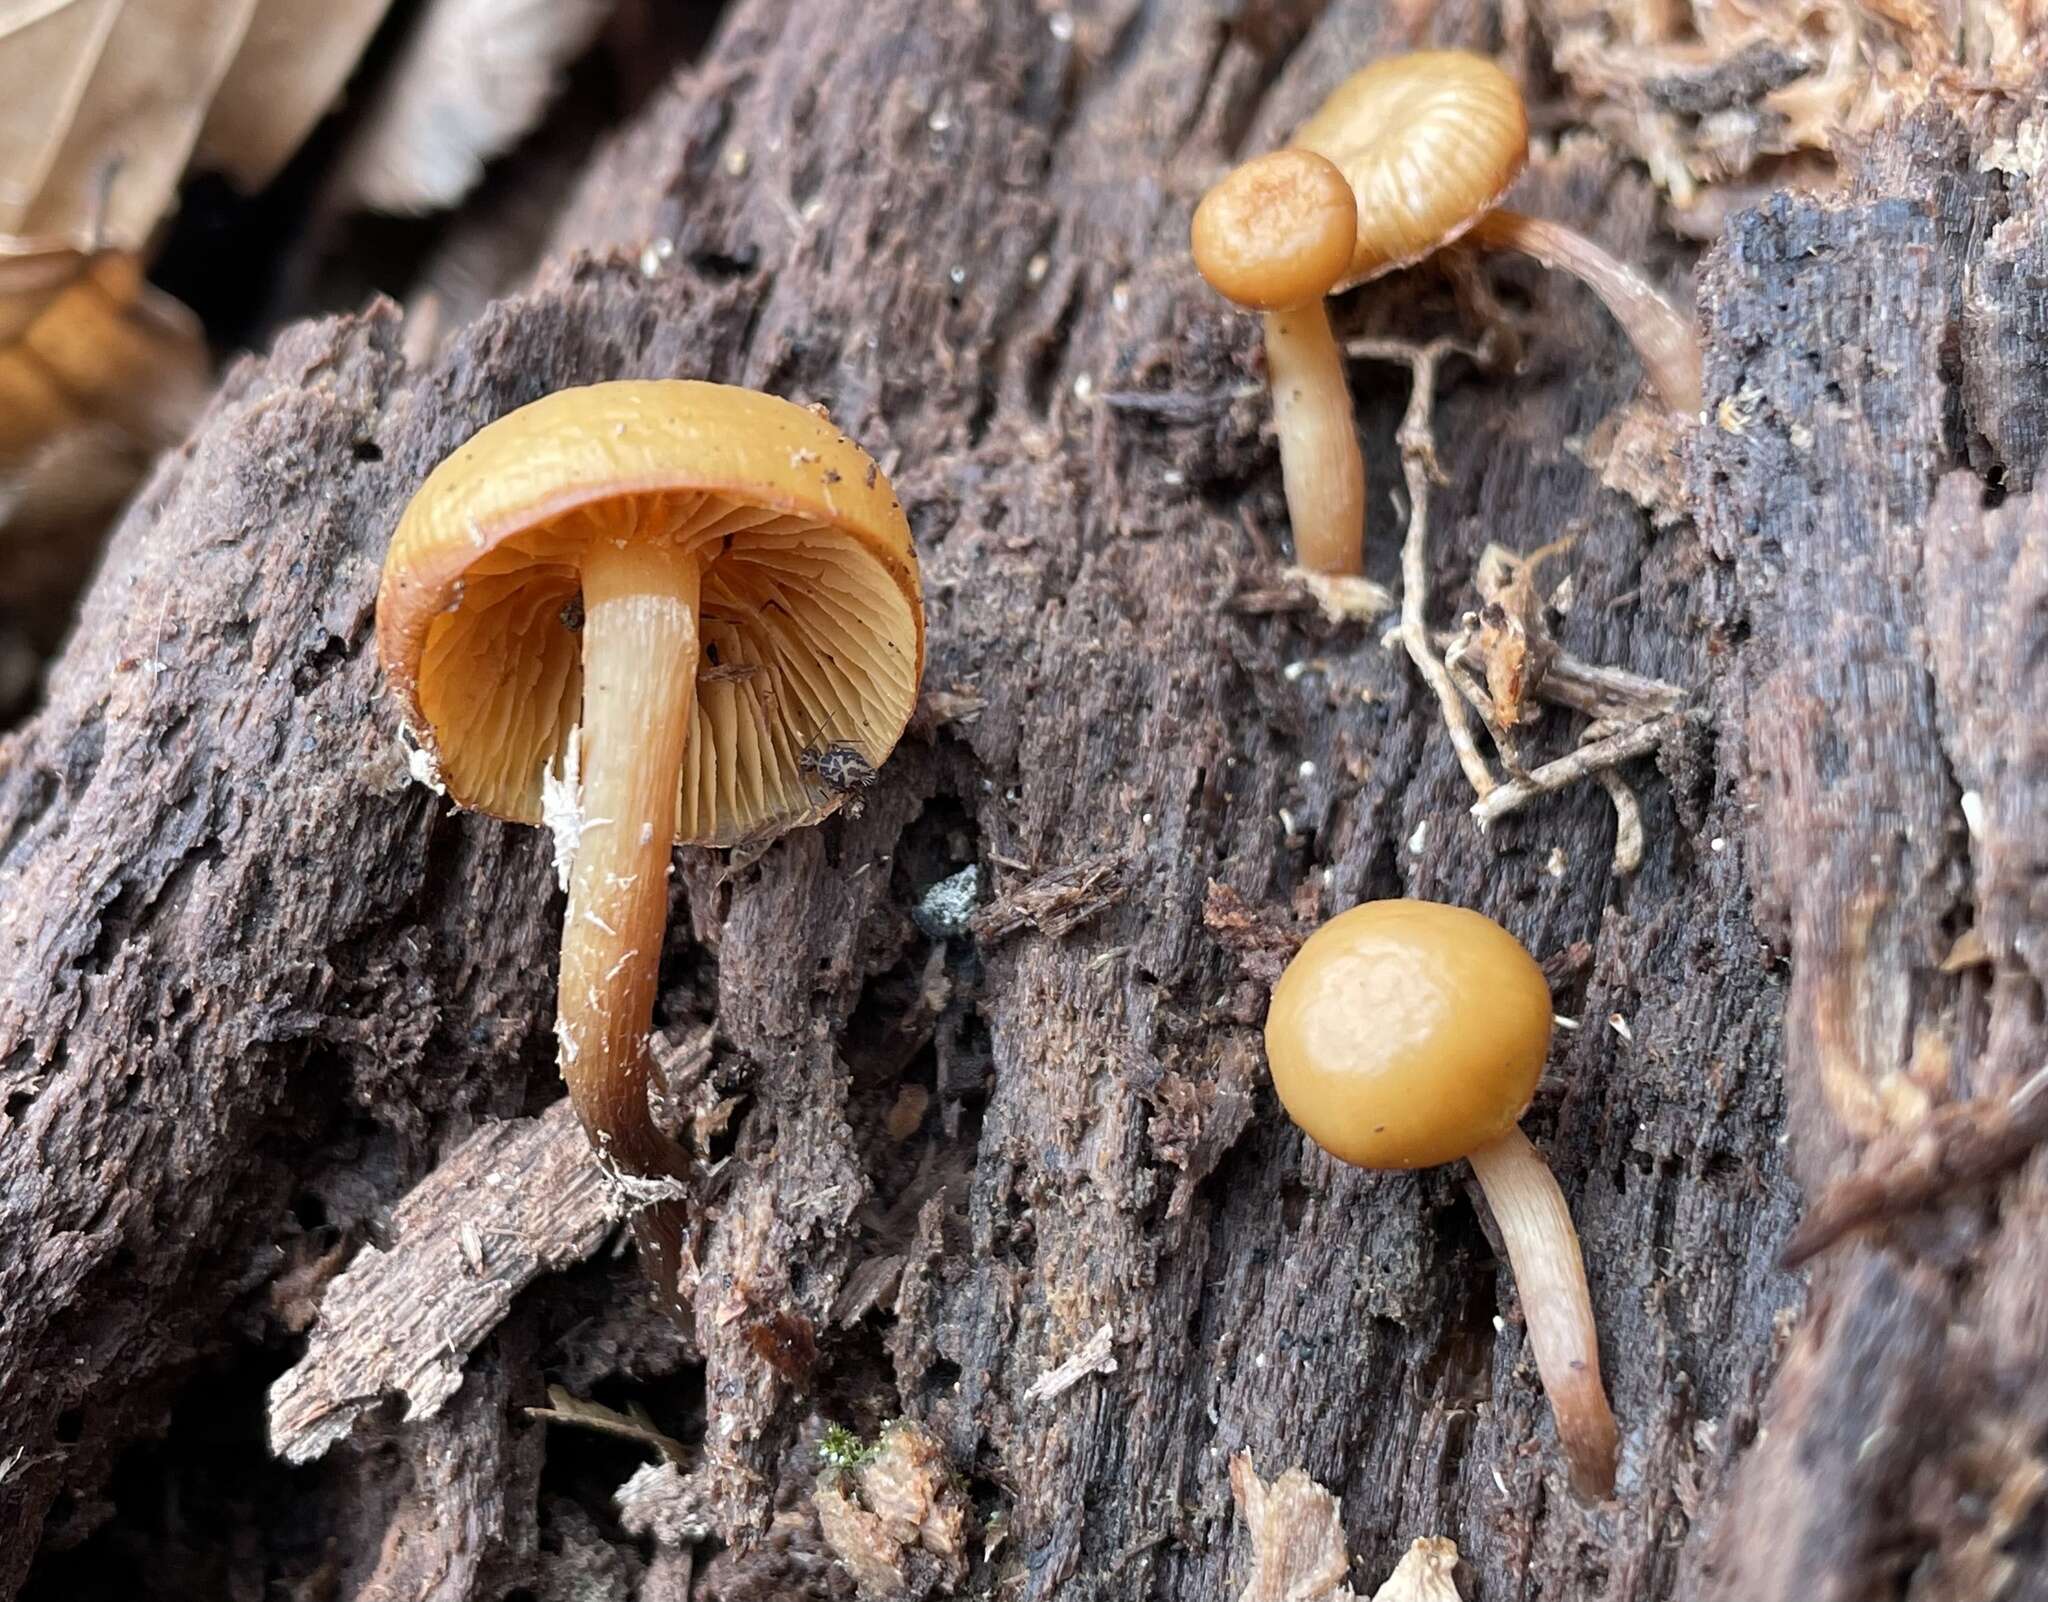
[
  {"x": 1665, "y": 341},
  {"x": 1543, "y": 1248},
  {"x": 1319, "y": 457},
  {"x": 639, "y": 683}
]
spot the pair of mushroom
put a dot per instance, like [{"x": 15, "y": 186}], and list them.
[
  {"x": 1403, "y": 158},
  {"x": 1406, "y": 1034},
  {"x": 700, "y": 602}
]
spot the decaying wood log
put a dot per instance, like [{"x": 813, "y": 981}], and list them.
[
  {"x": 255, "y": 988},
  {"x": 1887, "y": 707}
]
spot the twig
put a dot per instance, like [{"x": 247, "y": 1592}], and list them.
[
  {"x": 1630, "y": 714},
  {"x": 1419, "y": 468},
  {"x": 1637, "y": 740},
  {"x": 1096, "y": 1356},
  {"x": 565, "y": 1407},
  {"x": 1628, "y": 822},
  {"x": 1628, "y": 815},
  {"x": 1474, "y": 691},
  {"x": 1604, "y": 694},
  {"x": 1641, "y": 699}
]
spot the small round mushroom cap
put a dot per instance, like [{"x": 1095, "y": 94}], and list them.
[
  {"x": 811, "y": 622},
  {"x": 1276, "y": 232},
  {"x": 1406, "y": 1034},
  {"x": 1429, "y": 142}
]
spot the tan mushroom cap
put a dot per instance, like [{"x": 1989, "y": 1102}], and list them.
[
  {"x": 1408, "y": 1033},
  {"x": 1430, "y": 141},
  {"x": 1275, "y": 232},
  {"x": 811, "y": 621}
]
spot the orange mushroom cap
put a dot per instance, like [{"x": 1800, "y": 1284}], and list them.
[
  {"x": 811, "y": 614},
  {"x": 1406, "y": 1034},
  {"x": 1275, "y": 232},
  {"x": 1429, "y": 142}
]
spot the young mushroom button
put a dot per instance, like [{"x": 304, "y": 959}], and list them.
[
  {"x": 1406, "y": 1034},
  {"x": 1274, "y": 236},
  {"x": 1430, "y": 141},
  {"x": 680, "y": 592}
]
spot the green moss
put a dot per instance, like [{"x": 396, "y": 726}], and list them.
[{"x": 841, "y": 1450}]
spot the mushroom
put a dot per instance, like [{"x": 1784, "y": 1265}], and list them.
[
  {"x": 685, "y": 595},
  {"x": 1406, "y": 1034},
  {"x": 1430, "y": 141},
  {"x": 1274, "y": 236}
]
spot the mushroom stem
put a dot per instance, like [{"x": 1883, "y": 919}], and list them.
[
  {"x": 640, "y": 602},
  {"x": 1320, "y": 462},
  {"x": 1543, "y": 1247},
  {"x": 1665, "y": 341}
]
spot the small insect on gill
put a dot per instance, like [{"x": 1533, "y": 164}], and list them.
[{"x": 840, "y": 768}]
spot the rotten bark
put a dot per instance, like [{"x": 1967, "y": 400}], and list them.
[
  {"x": 1874, "y": 509},
  {"x": 254, "y": 988},
  {"x": 513, "y": 1201}
]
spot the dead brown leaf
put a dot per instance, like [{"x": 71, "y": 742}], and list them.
[
  {"x": 84, "y": 340},
  {"x": 1424, "y": 1574},
  {"x": 290, "y": 68},
  {"x": 106, "y": 100},
  {"x": 105, "y": 104},
  {"x": 98, "y": 372},
  {"x": 1297, "y": 1531},
  {"x": 473, "y": 76}
]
